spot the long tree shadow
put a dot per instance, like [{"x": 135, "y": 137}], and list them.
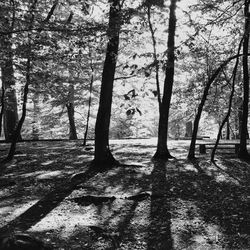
[
  {"x": 50, "y": 201},
  {"x": 217, "y": 207},
  {"x": 160, "y": 217}
]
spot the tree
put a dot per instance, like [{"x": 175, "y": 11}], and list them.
[
  {"x": 103, "y": 154},
  {"x": 2, "y": 108},
  {"x": 243, "y": 131},
  {"x": 71, "y": 113},
  {"x": 17, "y": 131},
  {"x": 162, "y": 151},
  {"x": 10, "y": 115},
  {"x": 226, "y": 118},
  {"x": 156, "y": 62}
]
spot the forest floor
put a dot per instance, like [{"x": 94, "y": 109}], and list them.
[{"x": 177, "y": 204}]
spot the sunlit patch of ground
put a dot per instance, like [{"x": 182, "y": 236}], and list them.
[{"x": 183, "y": 204}]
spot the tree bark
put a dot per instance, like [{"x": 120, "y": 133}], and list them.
[
  {"x": 10, "y": 116},
  {"x": 71, "y": 113},
  {"x": 162, "y": 151},
  {"x": 17, "y": 131},
  {"x": 89, "y": 104},
  {"x": 155, "y": 56},
  {"x": 243, "y": 153},
  {"x": 102, "y": 151},
  {"x": 2, "y": 109},
  {"x": 71, "y": 117},
  {"x": 36, "y": 114}
]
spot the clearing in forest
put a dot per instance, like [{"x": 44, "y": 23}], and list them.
[{"x": 140, "y": 204}]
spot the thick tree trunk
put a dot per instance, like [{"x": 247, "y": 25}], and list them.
[
  {"x": 71, "y": 116},
  {"x": 162, "y": 149},
  {"x": 10, "y": 114},
  {"x": 10, "y": 108},
  {"x": 103, "y": 154},
  {"x": 243, "y": 154}
]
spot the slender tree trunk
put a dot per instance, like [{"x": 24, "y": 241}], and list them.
[
  {"x": 36, "y": 114},
  {"x": 228, "y": 131},
  {"x": 2, "y": 109},
  {"x": 226, "y": 119},
  {"x": 71, "y": 114},
  {"x": 103, "y": 154},
  {"x": 191, "y": 154},
  {"x": 162, "y": 149},
  {"x": 243, "y": 154},
  {"x": 155, "y": 56},
  {"x": 89, "y": 105}
]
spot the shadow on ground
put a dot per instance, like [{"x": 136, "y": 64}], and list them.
[{"x": 177, "y": 204}]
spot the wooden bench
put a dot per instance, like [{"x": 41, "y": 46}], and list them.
[{"x": 222, "y": 145}]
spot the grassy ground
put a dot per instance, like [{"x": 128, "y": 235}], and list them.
[{"x": 138, "y": 205}]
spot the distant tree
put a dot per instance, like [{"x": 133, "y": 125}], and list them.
[
  {"x": 162, "y": 151},
  {"x": 103, "y": 154}
]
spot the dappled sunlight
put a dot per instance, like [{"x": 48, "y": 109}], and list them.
[
  {"x": 189, "y": 229},
  {"x": 10, "y": 211},
  {"x": 148, "y": 204},
  {"x": 65, "y": 223},
  {"x": 50, "y": 174},
  {"x": 46, "y": 163}
]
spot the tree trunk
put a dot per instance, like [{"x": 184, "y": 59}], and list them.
[
  {"x": 243, "y": 154},
  {"x": 162, "y": 149},
  {"x": 36, "y": 114},
  {"x": 191, "y": 154},
  {"x": 71, "y": 116},
  {"x": 228, "y": 131},
  {"x": 155, "y": 56},
  {"x": 89, "y": 105},
  {"x": 71, "y": 113},
  {"x": 2, "y": 109},
  {"x": 102, "y": 151},
  {"x": 10, "y": 108},
  {"x": 10, "y": 114},
  {"x": 18, "y": 128},
  {"x": 17, "y": 131}
]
